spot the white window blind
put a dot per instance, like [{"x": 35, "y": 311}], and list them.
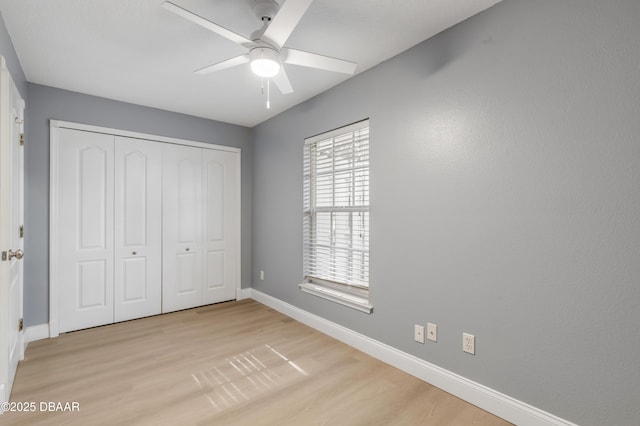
[{"x": 336, "y": 207}]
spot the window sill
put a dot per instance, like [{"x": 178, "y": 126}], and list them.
[{"x": 342, "y": 297}]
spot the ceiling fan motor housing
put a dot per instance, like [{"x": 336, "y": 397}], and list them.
[
  {"x": 265, "y": 10},
  {"x": 265, "y": 61}
]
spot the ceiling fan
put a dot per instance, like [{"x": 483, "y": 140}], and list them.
[{"x": 266, "y": 45}]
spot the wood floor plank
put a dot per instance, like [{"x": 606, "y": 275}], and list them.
[{"x": 235, "y": 363}]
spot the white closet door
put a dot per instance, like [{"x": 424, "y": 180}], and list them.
[
  {"x": 182, "y": 229},
  {"x": 138, "y": 228},
  {"x": 86, "y": 229},
  {"x": 220, "y": 221}
]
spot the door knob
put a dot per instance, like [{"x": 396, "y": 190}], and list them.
[{"x": 18, "y": 254}]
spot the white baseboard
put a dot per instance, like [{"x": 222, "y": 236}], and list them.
[
  {"x": 36, "y": 332},
  {"x": 243, "y": 293},
  {"x": 488, "y": 399}
]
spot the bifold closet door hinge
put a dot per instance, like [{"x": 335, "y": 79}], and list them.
[
  {"x": 21, "y": 138},
  {"x": 20, "y": 325}
]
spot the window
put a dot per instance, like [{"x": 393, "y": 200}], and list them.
[{"x": 336, "y": 216}]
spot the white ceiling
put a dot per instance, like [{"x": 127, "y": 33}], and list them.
[{"x": 135, "y": 51}]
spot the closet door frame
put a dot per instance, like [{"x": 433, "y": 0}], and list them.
[{"x": 54, "y": 126}]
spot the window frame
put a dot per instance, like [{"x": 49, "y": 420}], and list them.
[{"x": 350, "y": 291}]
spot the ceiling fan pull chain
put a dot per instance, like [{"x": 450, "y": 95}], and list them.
[{"x": 268, "y": 95}]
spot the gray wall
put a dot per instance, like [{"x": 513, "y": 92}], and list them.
[
  {"x": 47, "y": 103},
  {"x": 505, "y": 188},
  {"x": 13, "y": 64}
]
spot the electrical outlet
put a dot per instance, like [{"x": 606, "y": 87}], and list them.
[
  {"x": 432, "y": 332},
  {"x": 469, "y": 343},
  {"x": 261, "y": 275},
  {"x": 419, "y": 333}
]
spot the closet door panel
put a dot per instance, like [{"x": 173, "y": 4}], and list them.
[
  {"x": 182, "y": 228},
  {"x": 85, "y": 254},
  {"x": 186, "y": 271},
  {"x": 135, "y": 288},
  {"x": 138, "y": 228},
  {"x": 221, "y": 218}
]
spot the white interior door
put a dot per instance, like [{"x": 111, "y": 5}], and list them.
[
  {"x": 11, "y": 240},
  {"x": 85, "y": 215},
  {"x": 138, "y": 228},
  {"x": 182, "y": 229},
  {"x": 220, "y": 192}
]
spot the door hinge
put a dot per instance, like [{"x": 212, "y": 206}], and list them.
[
  {"x": 21, "y": 138},
  {"x": 21, "y": 231},
  {"x": 20, "y": 325},
  {"x": 4, "y": 255}
]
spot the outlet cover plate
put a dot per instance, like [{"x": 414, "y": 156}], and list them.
[
  {"x": 432, "y": 332},
  {"x": 419, "y": 333},
  {"x": 469, "y": 343}
]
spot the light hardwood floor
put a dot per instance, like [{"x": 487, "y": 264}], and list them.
[{"x": 235, "y": 363}]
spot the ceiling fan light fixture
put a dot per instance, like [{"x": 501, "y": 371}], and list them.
[{"x": 265, "y": 61}]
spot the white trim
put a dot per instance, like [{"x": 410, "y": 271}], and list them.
[
  {"x": 53, "y": 230},
  {"x": 35, "y": 332},
  {"x": 137, "y": 135},
  {"x": 335, "y": 295},
  {"x": 4, "y": 266},
  {"x": 239, "y": 224},
  {"x": 243, "y": 293},
  {"x": 488, "y": 399},
  {"x": 358, "y": 125}
]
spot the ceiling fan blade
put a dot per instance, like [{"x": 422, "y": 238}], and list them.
[
  {"x": 312, "y": 60},
  {"x": 238, "y": 60},
  {"x": 285, "y": 21},
  {"x": 282, "y": 81},
  {"x": 196, "y": 19}
]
